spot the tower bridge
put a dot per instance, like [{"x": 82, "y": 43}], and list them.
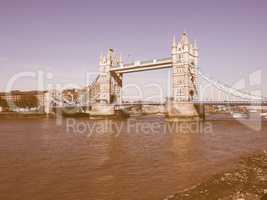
[
  {"x": 107, "y": 90},
  {"x": 190, "y": 88}
]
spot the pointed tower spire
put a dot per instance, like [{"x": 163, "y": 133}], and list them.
[
  {"x": 195, "y": 50},
  {"x": 101, "y": 58},
  {"x": 120, "y": 58},
  {"x": 195, "y": 44},
  {"x": 174, "y": 44},
  {"x": 184, "y": 39}
]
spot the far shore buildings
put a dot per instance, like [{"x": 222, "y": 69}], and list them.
[
  {"x": 17, "y": 94},
  {"x": 14, "y": 100},
  {"x": 20, "y": 101}
]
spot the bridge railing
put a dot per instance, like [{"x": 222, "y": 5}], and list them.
[
  {"x": 147, "y": 62},
  {"x": 128, "y": 65},
  {"x": 163, "y": 59},
  {"x": 230, "y": 102}
]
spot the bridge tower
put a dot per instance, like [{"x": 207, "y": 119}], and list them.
[
  {"x": 108, "y": 86},
  {"x": 110, "y": 83},
  {"x": 184, "y": 78},
  {"x": 185, "y": 62}
]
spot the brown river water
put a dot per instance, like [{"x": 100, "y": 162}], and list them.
[{"x": 43, "y": 159}]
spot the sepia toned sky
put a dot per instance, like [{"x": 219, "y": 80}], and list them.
[{"x": 65, "y": 37}]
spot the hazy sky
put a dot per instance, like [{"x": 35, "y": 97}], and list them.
[{"x": 65, "y": 37}]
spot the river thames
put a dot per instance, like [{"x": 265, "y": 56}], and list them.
[{"x": 42, "y": 159}]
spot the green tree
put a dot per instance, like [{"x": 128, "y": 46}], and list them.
[
  {"x": 3, "y": 103},
  {"x": 27, "y": 101}
]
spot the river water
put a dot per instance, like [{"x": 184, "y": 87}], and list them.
[{"x": 43, "y": 159}]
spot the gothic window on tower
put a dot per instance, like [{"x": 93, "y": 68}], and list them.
[
  {"x": 179, "y": 92},
  {"x": 180, "y": 81}
]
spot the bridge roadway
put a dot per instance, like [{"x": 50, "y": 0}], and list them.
[
  {"x": 139, "y": 66},
  {"x": 232, "y": 103},
  {"x": 227, "y": 103}
]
